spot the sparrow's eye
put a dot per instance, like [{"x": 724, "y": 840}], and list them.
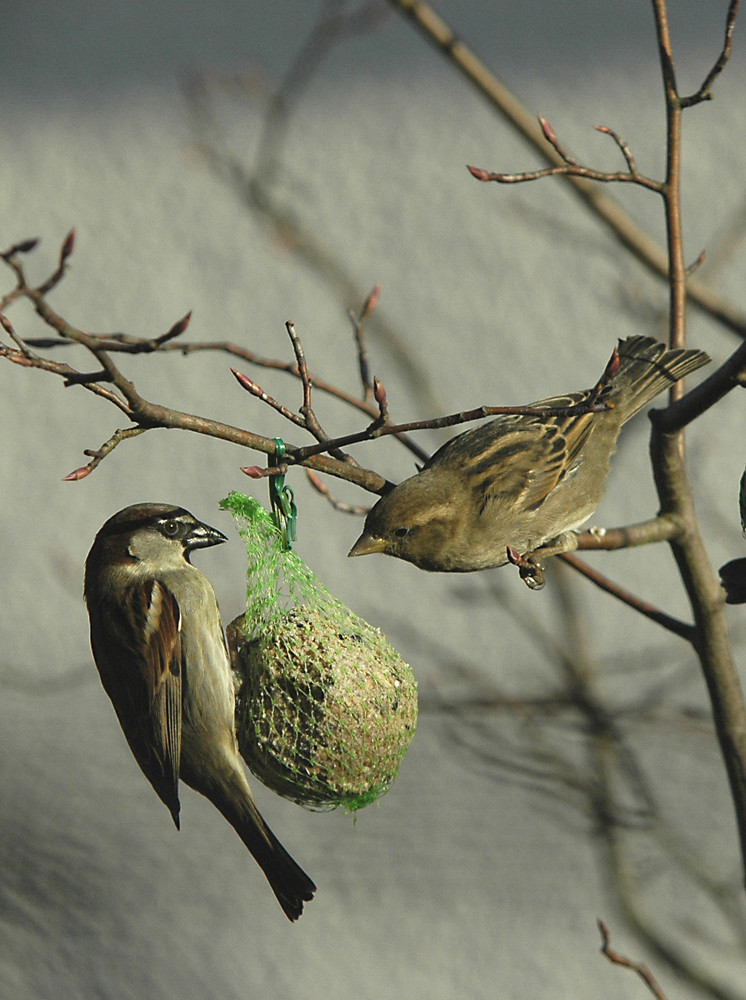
[
  {"x": 170, "y": 529},
  {"x": 401, "y": 532}
]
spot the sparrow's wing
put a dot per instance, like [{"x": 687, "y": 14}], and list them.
[
  {"x": 520, "y": 459},
  {"x": 559, "y": 443},
  {"x": 163, "y": 673},
  {"x": 138, "y": 650}
]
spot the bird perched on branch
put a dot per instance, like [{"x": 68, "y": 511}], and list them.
[
  {"x": 158, "y": 643},
  {"x": 523, "y": 482}
]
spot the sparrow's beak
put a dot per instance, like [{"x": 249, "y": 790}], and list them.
[
  {"x": 202, "y": 536},
  {"x": 366, "y": 545}
]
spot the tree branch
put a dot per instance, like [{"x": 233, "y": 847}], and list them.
[
  {"x": 674, "y": 490},
  {"x": 626, "y": 231}
]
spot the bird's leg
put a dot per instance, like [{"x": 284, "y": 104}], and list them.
[
  {"x": 531, "y": 565},
  {"x": 566, "y": 542},
  {"x": 531, "y": 572}
]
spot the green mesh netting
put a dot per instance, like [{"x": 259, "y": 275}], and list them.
[{"x": 327, "y": 708}]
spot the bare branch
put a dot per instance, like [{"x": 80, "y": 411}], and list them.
[
  {"x": 626, "y": 231},
  {"x": 570, "y": 167},
  {"x": 176, "y": 331},
  {"x": 658, "y": 529},
  {"x": 256, "y": 390},
  {"x": 616, "y": 959},
  {"x": 705, "y": 91},
  {"x": 674, "y": 488},
  {"x": 551, "y": 136},
  {"x": 68, "y": 245},
  {"x": 22, "y": 346},
  {"x": 100, "y": 454},
  {"x": 320, "y": 486},
  {"x": 19, "y": 357},
  {"x": 625, "y": 150},
  {"x": 682, "y": 629},
  {"x": 128, "y": 344},
  {"x": 310, "y": 420},
  {"x": 381, "y": 428},
  {"x": 358, "y": 326},
  {"x": 729, "y": 375}
]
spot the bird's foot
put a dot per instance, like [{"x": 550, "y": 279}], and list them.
[{"x": 530, "y": 571}]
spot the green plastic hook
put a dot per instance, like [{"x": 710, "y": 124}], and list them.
[{"x": 282, "y": 499}]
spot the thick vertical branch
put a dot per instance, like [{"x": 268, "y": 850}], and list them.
[
  {"x": 672, "y": 189},
  {"x": 674, "y": 490},
  {"x": 708, "y": 607}
]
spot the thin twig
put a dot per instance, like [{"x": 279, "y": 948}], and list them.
[
  {"x": 616, "y": 959},
  {"x": 18, "y": 357},
  {"x": 380, "y": 428},
  {"x": 20, "y": 344},
  {"x": 381, "y": 425},
  {"x": 309, "y": 417},
  {"x": 682, "y": 629},
  {"x": 358, "y": 327},
  {"x": 144, "y": 414},
  {"x": 68, "y": 245},
  {"x": 705, "y": 91},
  {"x": 624, "y": 148},
  {"x": 256, "y": 390},
  {"x": 570, "y": 167},
  {"x": 566, "y": 170},
  {"x": 310, "y": 420},
  {"x": 320, "y": 486},
  {"x": 128, "y": 344},
  {"x": 100, "y": 454}
]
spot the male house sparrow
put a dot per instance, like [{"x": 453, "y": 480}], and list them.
[
  {"x": 503, "y": 490},
  {"x": 158, "y": 643}
]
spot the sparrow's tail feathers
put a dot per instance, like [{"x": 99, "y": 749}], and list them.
[
  {"x": 289, "y": 882},
  {"x": 232, "y": 796},
  {"x": 646, "y": 368}
]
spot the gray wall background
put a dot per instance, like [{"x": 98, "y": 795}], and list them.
[{"x": 480, "y": 874}]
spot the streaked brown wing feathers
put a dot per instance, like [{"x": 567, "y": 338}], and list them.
[
  {"x": 522, "y": 458},
  {"x": 163, "y": 672}
]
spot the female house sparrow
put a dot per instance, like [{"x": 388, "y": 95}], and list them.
[
  {"x": 159, "y": 647},
  {"x": 501, "y": 491}
]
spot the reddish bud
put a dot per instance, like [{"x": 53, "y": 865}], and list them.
[
  {"x": 548, "y": 131},
  {"x": 80, "y": 473},
  {"x": 697, "y": 263},
  {"x": 371, "y": 302},
  {"x": 68, "y": 246},
  {"x": 478, "y": 173},
  {"x": 254, "y": 471},
  {"x": 247, "y": 383},
  {"x": 5, "y": 323},
  {"x": 379, "y": 393},
  {"x": 181, "y": 325},
  {"x": 177, "y": 329}
]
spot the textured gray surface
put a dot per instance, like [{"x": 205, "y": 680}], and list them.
[{"x": 479, "y": 875}]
